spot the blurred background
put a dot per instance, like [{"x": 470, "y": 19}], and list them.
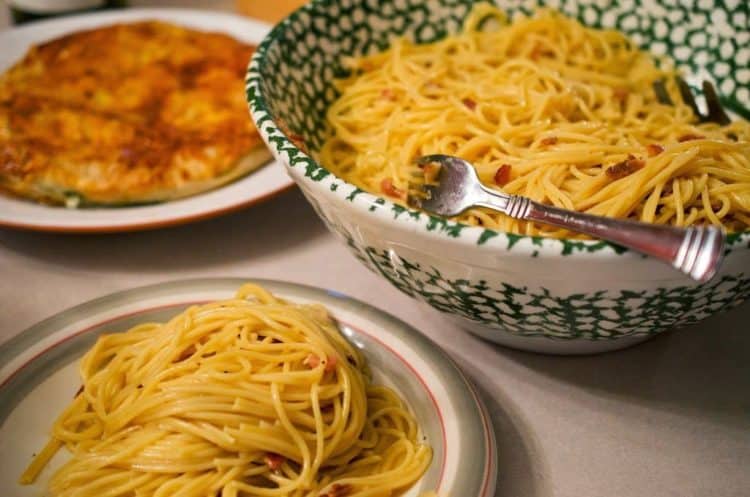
[
  {"x": 19, "y": 11},
  {"x": 268, "y": 11}
]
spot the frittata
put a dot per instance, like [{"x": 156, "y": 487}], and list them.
[{"x": 126, "y": 114}]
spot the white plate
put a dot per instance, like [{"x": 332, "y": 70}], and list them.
[
  {"x": 38, "y": 377},
  {"x": 267, "y": 181}
]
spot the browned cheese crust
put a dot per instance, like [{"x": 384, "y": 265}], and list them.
[{"x": 125, "y": 114}]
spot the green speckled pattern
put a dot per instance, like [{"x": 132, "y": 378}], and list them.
[
  {"x": 538, "y": 312},
  {"x": 290, "y": 86},
  {"x": 600, "y": 315}
]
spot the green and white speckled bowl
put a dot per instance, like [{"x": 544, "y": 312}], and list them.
[{"x": 556, "y": 296}]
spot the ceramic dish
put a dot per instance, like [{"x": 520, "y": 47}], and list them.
[
  {"x": 263, "y": 183},
  {"x": 540, "y": 294},
  {"x": 39, "y": 376}
]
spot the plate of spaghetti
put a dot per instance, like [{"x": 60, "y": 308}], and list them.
[{"x": 233, "y": 388}]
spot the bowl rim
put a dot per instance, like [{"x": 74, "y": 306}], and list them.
[{"x": 415, "y": 221}]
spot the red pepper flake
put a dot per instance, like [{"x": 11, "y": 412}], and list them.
[
  {"x": 338, "y": 490},
  {"x": 653, "y": 149},
  {"x": 469, "y": 103},
  {"x": 688, "y": 137},
  {"x": 550, "y": 140},
  {"x": 273, "y": 460},
  {"x": 502, "y": 175},
  {"x": 387, "y": 187},
  {"x": 624, "y": 168}
]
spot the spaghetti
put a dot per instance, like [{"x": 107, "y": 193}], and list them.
[
  {"x": 545, "y": 108},
  {"x": 251, "y": 396}
]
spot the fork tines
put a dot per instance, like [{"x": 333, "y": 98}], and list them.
[
  {"x": 715, "y": 109},
  {"x": 418, "y": 192},
  {"x": 715, "y": 112}
]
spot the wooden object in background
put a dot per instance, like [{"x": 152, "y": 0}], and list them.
[{"x": 271, "y": 12}]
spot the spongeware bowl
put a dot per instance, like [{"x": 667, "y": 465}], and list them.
[{"x": 532, "y": 293}]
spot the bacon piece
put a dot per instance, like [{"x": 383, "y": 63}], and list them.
[
  {"x": 338, "y": 490},
  {"x": 620, "y": 94},
  {"x": 188, "y": 352},
  {"x": 388, "y": 94},
  {"x": 502, "y": 175},
  {"x": 273, "y": 460},
  {"x": 540, "y": 51},
  {"x": 298, "y": 141},
  {"x": 430, "y": 171},
  {"x": 654, "y": 149},
  {"x": 469, "y": 103},
  {"x": 550, "y": 140},
  {"x": 312, "y": 361},
  {"x": 688, "y": 137},
  {"x": 624, "y": 168},
  {"x": 387, "y": 187},
  {"x": 331, "y": 362}
]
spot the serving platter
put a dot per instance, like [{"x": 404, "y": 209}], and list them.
[
  {"x": 38, "y": 377},
  {"x": 259, "y": 185}
]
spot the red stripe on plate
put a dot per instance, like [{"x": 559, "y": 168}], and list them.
[{"x": 424, "y": 384}]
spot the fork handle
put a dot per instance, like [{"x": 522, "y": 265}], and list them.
[{"x": 696, "y": 251}]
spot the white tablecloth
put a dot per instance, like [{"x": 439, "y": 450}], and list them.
[{"x": 670, "y": 417}]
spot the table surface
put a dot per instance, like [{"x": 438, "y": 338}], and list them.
[{"x": 670, "y": 417}]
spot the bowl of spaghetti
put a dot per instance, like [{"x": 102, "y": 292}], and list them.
[{"x": 555, "y": 105}]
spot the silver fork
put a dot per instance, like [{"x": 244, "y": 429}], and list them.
[
  {"x": 696, "y": 251},
  {"x": 715, "y": 111}
]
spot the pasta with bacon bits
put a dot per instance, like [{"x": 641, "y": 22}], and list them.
[
  {"x": 546, "y": 108},
  {"x": 246, "y": 397}
]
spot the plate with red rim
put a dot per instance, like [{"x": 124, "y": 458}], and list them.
[
  {"x": 264, "y": 183},
  {"x": 38, "y": 377}
]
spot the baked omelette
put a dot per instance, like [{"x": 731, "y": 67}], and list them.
[{"x": 126, "y": 114}]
